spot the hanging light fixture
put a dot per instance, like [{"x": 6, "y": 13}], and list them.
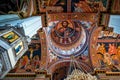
[{"x": 78, "y": 74}]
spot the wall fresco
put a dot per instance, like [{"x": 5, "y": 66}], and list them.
[{"x": 30, "y": 61}]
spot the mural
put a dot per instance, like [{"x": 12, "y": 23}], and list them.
[
  {"x": 107, "y": 50},
  {"x": 53, "y": 6},
  {"x": 105, "y": 44},
  {"x": 110, "y": 56},
  {"x": 69, "y": 37},
  {"x": 76, "y": 5},
  {"x": 63, "y": 4},
  {"x": 30, "y": 60},
  {"x": 66, "y": 32},
  {"x": 89, "y": 5},
  {"x": 53, "y": 57}
]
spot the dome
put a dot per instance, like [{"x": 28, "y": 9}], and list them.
[{"x": 68, "y": 38}]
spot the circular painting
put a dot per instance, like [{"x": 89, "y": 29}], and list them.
[
  {"x": 65, "y": 33},
  {"x": 68, "y": 38}
]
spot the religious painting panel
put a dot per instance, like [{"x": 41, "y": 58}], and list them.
[
  {"x": 18, "y": 48},
  {"x": 89, "y": 5},
  {"x": 66, "y": 32},
  {"x": 109, "y": 56},
  {"x": 30, "y": 60},
  {"x": 10, "y": 37},
  {"x": 53, "y": 6}
]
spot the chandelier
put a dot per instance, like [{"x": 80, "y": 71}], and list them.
[{"x": 79, "y": 74}]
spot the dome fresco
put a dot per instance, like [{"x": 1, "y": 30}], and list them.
[{"x": 68, "y": 37}]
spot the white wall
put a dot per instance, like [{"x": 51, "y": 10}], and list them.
[{"x": 115, "y": 23}]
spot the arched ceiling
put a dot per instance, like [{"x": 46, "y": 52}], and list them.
[{"x": 83, "y": 11}]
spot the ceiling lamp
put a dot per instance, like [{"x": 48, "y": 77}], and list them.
[{"x": 78, "y": 74}]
